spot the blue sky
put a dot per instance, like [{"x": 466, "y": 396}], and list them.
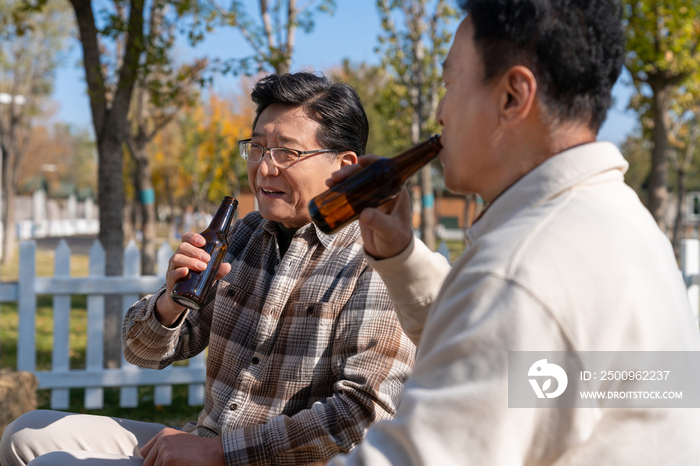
[{"x": 351, "y": 32}]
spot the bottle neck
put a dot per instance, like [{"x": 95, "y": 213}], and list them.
[
  {"x": 407, "y": 163},
  {"x": 222, "y": 218}
]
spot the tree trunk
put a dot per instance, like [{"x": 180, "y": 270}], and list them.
[
  {"x": 8, "y": 218},
  {"x": 109, "y": 118},
  {"x": 111, "y": 203},
  {"x": 10, "y": 155},
  {"x": 658, "y": 180},
  {"x": 679, "y": 224},
  {"x": 144, "y": 187}
]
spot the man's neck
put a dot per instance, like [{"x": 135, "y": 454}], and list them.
[{"x": 523, "y": 154}]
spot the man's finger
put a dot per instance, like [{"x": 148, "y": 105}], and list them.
[
  {"x": 194, "y": 238},
  {"x": 180, "y": 260},
  {"x": 189, "y": 250},
  {"x": 178, "y": 273},
  {"x": 149, "y": 445},
  {"x": 224, "y": 269}
]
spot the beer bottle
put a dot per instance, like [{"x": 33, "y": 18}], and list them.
[
  {"x": 375, "y": 184},
  {"x": 192, "y": 290}
]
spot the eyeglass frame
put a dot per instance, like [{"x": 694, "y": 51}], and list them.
[{"x": 270, "y": 149}]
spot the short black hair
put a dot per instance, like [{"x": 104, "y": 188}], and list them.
[
  {"x": 336, "y": 107},
  {"x": 575, "y": 49}
]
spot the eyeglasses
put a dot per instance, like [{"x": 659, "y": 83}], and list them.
[{"x": 281, "y": 156}]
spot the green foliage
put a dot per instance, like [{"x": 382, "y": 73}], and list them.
[
  {"x": 30, "y": 48},
  {"x": 369, "y": 82},
  {"x": 415, "y": 40},
  {"x": 662, "y": 37},
  {"x": 663, "y": 40},
  {"x": 196, "y": 159},
  {"x": 16, "y": 18}
]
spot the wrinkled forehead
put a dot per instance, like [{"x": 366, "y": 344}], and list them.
[{"x": 286, "y": 125}]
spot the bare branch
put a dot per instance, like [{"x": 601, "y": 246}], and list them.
[
  {"x": 291, "y": 28},
  {"x": 265, "y": 13},
  {"x": 128, "y": 73},
  {"x": 255, "y": 45},
  {"x": 159, "y": 125}
]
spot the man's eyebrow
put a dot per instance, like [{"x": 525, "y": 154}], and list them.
[{"x": 257, "y": 134}]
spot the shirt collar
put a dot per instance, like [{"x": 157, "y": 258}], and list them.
[
  {"x": 350, "y": 232},
  {"x": 553, "y": 176}
]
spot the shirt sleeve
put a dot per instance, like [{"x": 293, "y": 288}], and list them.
[
  {"x": 373, "y": 358},
  {"x": 413, "y": 279},
  {"x": 454, "y": 409},
  {"x": 148, "y": 343}
]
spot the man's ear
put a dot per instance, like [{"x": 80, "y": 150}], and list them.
[
  {"x": 347, "y": 158},
  {"x": 518, "y": 91}
]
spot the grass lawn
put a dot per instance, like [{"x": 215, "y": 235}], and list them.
[{"x": 176, "y": 415}]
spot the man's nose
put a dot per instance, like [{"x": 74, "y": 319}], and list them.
[{"x": 267, "y": 165}]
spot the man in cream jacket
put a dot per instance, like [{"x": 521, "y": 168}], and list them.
[{"x": 565, "y": 257}]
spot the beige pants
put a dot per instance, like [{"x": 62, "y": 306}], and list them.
[{"x": 53, "y": 437}]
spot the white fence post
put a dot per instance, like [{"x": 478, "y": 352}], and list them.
[
  {"x": 94, "y": 397},
  {"x": 129, "y": 396},
  {"x": 26, "y": 341},
  {"x": 195, "y": 392},
  {"x": 163, "y": 394},
  {"x": 60, "y": 359}
]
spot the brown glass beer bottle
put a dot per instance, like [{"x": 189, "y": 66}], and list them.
[
  {"x": 372, "y": 186},
  {"x": 192, "y": 290}
]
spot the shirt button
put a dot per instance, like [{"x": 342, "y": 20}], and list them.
[
  {"x": 255, "y": 360},
  {"x": 309, "y": 310},
  {"x": 233, "y": 406},
  {"x": 230, "y": 292}
]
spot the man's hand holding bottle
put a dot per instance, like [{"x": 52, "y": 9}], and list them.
[
  {"x": 188, "y": 256},
  {"x": 386, "y": 230}
]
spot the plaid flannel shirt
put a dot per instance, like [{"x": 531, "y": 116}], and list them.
[{"x": 305, "y": 352}]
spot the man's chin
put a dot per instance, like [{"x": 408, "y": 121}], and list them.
[
  {"x": 273, "y": 214},
  {"x": 454, "y": 187}
]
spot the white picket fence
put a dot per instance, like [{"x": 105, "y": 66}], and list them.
[{"x": 94, "y": 378}]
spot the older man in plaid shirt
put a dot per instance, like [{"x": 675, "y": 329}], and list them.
[{"x": 305, "y": 350}]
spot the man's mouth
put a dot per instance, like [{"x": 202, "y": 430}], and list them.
[{"x": 271, "y": 192}]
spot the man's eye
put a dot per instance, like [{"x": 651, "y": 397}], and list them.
[
  {"x": 286, "y": 154},
  {"x": 255, "y": 150}
]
